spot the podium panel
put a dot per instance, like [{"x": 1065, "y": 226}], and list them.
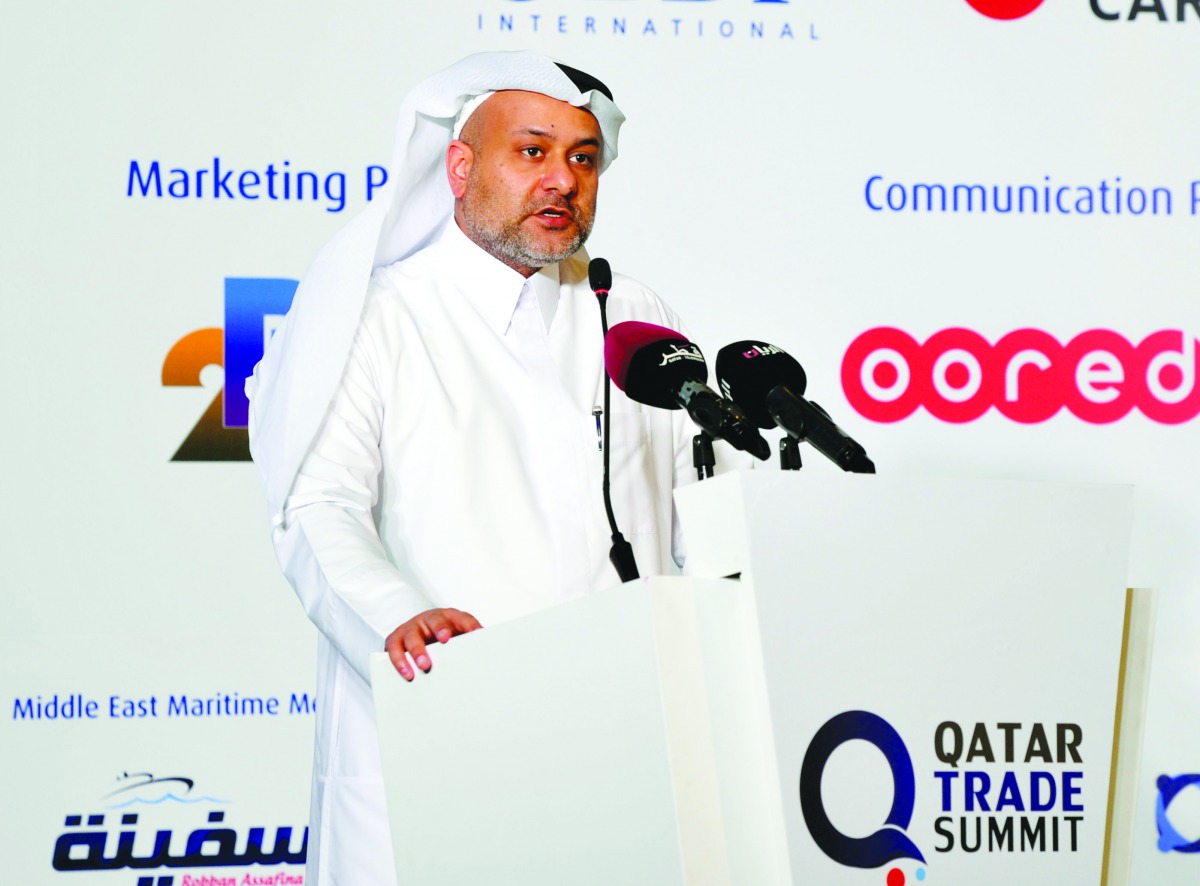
[
  {"x": 915, "y": 681},
  {"x": 609, "y": 740},
  {"x": 941, "y": 660}
]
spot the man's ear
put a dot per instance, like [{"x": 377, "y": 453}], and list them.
[{"x": 459, "y": 158}]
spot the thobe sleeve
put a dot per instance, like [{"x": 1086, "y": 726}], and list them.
[{"x": 326, "y": 538}]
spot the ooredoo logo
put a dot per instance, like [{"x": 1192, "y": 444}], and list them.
[
  {"x": 889, "y": 842},
  {"x": 1005, "y": 9},
  {"x": 1027, "y": 375}
]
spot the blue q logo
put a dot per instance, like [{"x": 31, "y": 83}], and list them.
[
  {"x": 889, "y": 842},
  {"x": 1169, "y": 839}
]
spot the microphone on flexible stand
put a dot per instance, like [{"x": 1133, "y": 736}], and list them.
[
  {"x": 660, "y": 367},
  {"x": 621, "y": 553},
  {"x": 769, "y": 383},
  {"x": 600, "y": 279}
]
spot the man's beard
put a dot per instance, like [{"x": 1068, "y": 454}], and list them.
[{"x": 504, "y": 237}]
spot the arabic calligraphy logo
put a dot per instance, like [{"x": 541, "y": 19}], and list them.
[
  {"x": 684, "y": 352},
  {"x": 889, "y": 842},
  {"x": 86, "y": 843},
  {"x": 1169, "y": 839}
]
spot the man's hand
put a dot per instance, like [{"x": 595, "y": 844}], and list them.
[{"x": 411, "y": 637}]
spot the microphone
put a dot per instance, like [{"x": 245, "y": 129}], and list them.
[
  {"x": 600, "y": 279},
  {"x": 621, "y": 552},
  {"x": 769, "y": 384},
  {"x": 659, "y": 367}
]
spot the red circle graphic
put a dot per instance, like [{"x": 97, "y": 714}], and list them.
[{"x": 1005, "y": 10}]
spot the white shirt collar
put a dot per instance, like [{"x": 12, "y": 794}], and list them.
[{"x": 495, "y": 287}]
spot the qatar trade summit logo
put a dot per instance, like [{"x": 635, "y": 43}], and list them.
[
  {"x": 889, "y": 843},
  {"x": 1005, "y": 10}
]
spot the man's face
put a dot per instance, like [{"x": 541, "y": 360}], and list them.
[{"x": 528, "y": 196}]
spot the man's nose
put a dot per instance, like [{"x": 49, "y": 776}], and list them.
[{"x": 558, "y": 176}]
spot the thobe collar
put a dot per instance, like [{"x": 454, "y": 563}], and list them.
[{"x": 496, "y": 288}]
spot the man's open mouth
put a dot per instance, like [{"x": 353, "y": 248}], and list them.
[{"x": 555, "y": 218}]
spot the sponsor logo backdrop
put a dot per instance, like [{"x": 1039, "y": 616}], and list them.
[{"x": 973, "y": 223}]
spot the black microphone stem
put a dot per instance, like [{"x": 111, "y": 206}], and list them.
[
  {"x": 789, "y": 453},
  {"x": 807, "y": 421},
  {"x": 703, "y": 457},
  {"x": 612, "y": 520},
  {"x": 621, "y": 554}
]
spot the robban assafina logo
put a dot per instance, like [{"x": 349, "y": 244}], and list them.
[{"x": 146, "y": 823}]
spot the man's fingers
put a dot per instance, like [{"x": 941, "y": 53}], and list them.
[
  {"x": 440, "y": 626},
  {"x": 446, "y": 623},
  {"x": 410, "y": 639},
  {"x": 395, "y": 650},
  {"x": 414, "y": 644},
  {"x": 464, "y": 622}
]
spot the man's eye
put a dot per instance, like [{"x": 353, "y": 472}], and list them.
[
  {"x": 584, "y": 159},
  {"x": 532, "y": 152}
]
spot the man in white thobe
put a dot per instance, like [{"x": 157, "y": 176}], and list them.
[{"x": 453, "y": 477}]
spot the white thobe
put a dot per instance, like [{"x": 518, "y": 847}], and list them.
[{"x": 459, "y": 466}]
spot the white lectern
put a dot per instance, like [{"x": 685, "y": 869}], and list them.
[{"x": 913, "y": 681}]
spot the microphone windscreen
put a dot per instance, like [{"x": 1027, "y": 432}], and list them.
[
  {"x": 651, "y": 363},
  {"x": 599, "y": 275},
  {"x": 748, "y": 370}
]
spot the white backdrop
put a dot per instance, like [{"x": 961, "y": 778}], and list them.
[{"x": 740, "y": 195}]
